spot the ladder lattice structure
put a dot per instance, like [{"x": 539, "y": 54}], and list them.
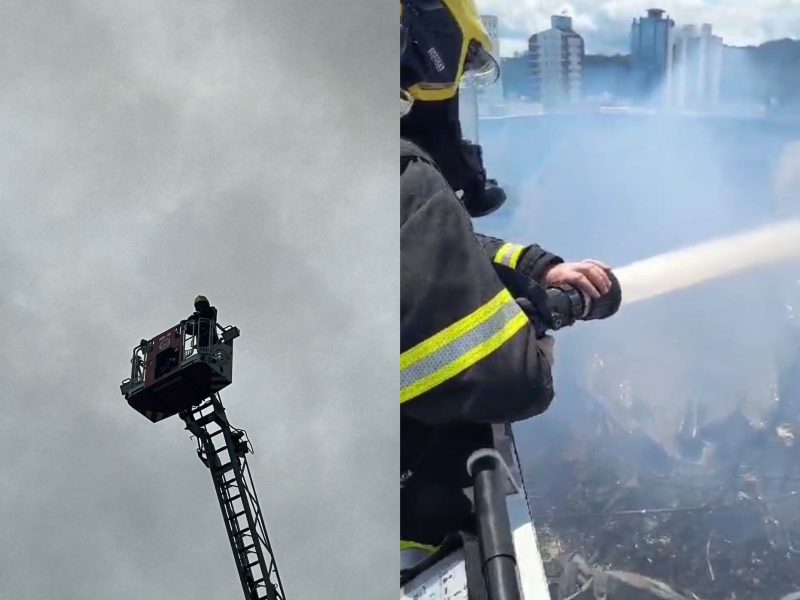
[{"x": 223, "y": 449}]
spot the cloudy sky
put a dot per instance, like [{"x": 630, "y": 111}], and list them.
[
  {"x": 153, "y": 150},
  {"x": 605, "y": 24}
]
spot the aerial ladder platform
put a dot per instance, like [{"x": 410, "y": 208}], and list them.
[{"x": 181, "y": 372}]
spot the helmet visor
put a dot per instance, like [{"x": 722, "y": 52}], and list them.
[
  {"x": 480, "y": 67},
  {"x": 406, "y": 101}
]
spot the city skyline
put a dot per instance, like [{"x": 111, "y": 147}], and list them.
[{"x": 606, "y": 25}]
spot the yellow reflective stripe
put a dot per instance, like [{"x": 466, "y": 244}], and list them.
[
  {"x": 407, "y": 545},
  {"x": 446, "y": 336},
  {"x": 460, "y": 346},
  {"x": 509, "y": 254},
  {"x": 501, "y": 253},
  {"x": 466, "y": 361}
]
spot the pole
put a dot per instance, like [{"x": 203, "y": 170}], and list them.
[{"x": 499, "y": 563}]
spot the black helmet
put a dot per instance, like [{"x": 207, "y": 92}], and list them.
[{"x": 201, "y": 302}]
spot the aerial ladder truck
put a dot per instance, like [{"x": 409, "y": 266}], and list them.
[{"x": 181, "y": 372}]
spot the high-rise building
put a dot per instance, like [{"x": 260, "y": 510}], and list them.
[
  {"x": 695, "y": 68},
  {"x": 650, "y": 53},
  {"x": 517, "y": 77},
  {"x": 556, "y": 59}
]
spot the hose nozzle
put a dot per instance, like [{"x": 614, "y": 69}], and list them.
[{"x": 567, "y": 304}]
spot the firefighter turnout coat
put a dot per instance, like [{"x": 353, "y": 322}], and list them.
[{"x": 469, "y": 352}]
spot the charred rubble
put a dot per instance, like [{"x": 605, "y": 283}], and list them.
[{"x": 620, "y": 517}]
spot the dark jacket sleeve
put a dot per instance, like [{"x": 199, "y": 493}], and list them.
[
  {"x": 450, "y": 294},
  {"x": 211, "y": 313},
  {"x": 532, "y": 260}
]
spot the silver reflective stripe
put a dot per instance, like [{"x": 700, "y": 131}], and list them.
[{"x": 460, "y": 346}]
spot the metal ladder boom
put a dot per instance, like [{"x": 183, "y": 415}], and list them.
[{"x": 223, "y": 449}]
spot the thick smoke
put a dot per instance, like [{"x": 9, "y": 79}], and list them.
[
  {"x": 687, "y": 378},
  {"x": 624, "y": 187},
  {"x": 621, "y": 188}
]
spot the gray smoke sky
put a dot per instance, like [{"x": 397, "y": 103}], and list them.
[{"x": 153, "y": 151}]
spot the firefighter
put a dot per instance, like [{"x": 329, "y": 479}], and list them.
[
  {"x": 473, "y": 348},
  {"x": 205, "y": 319}
]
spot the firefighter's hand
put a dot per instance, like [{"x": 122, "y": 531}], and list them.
[{"x": 589, "y": 276}]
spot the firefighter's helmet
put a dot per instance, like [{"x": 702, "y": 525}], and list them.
[{"x": 442, "y": 41}]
